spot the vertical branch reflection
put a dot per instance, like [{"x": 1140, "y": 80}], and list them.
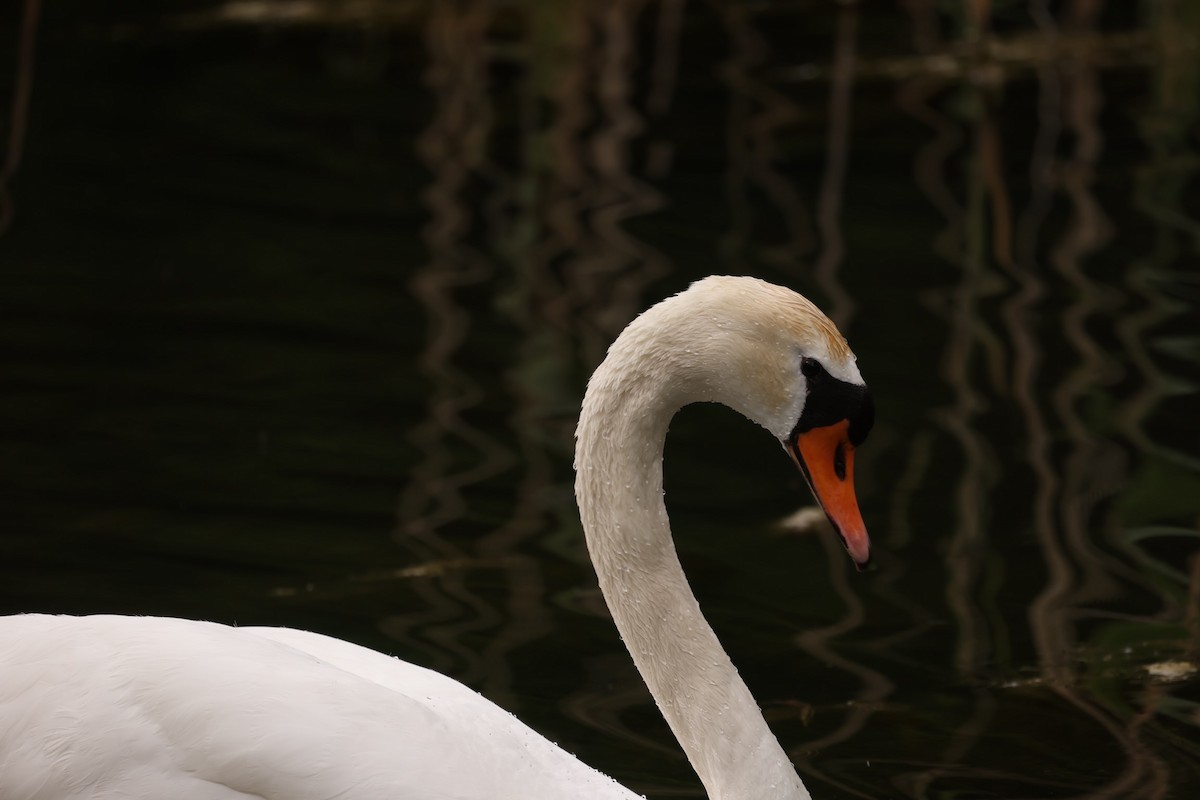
[
  {"x": 970, "y": 338},
  {"x": 1069, "y": 492},
  {"x": 18, "y": 119},
  {"x": 837, "y": 155},
  {"x": 666, "y": 56},
  {"x": 1066, "y": 493},
  {"x": 874, "y": 686},
  {"x": 454, "y": 146},
  {"x": 551, "y": 212},
  {"x": 1160, "y": 187},
  {"x": 970, "y": 561},
  {"x": 758, "y": 114},
  {"x": 970, "y": 564},
  {"x": 607, "y": 277},
  {"x": 1159, "y": 195}
]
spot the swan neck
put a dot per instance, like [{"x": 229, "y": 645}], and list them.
[{"x": 619, "y": 451}]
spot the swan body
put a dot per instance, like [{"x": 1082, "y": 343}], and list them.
[
  {"x": 113, "y": 707},
  {"x": 109, "y": 707}
]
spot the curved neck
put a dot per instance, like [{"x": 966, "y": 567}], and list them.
[{"x": 618, "y": 485}]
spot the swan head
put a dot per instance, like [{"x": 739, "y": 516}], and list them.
[{"x": 772, "y": 355}]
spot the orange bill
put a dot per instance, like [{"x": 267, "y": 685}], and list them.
[{"x": 826, "y": 458}]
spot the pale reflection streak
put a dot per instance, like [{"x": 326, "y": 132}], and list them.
[
  {"x": 874, "y": 686},
  {"x": 666, "y": 57},
  {"x": 758, "y": 115},
  {"x": 915, "y": 97},
  {"x": 968, "y": 554},
  {"x": 604, "y": 712},
  {"x": 1096, "y": 468},
  {"x": 1158, "y": 195},
  {"x": 455, "y": 148},
  {"x": 979, "y": 631},
  {"x": 350, "y": 13},
  {"x": 839, "y": 304},
  {"x": 18, "y": 116},
  {"x": 606, "y": 280},
  {"x": 970, "y": 560}
]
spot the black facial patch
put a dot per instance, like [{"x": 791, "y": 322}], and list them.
[{"x": 831, "y": 400}]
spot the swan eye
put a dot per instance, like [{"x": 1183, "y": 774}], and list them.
[{"x": 830, "y": 400}]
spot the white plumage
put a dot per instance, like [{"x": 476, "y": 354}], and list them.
[
  {"x": 135, "y": 708},
  {"x": 144, "y": 707}
]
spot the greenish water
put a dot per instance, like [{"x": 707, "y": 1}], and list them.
[{"x": 295, "y": 317}]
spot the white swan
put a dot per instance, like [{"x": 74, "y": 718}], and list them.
[{"x": 110, "y": 707}]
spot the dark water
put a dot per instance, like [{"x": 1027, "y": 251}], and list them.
[{"x": 298, "y": 300}]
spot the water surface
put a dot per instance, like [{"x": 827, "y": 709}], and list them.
[{"x": 298, "y": 301}]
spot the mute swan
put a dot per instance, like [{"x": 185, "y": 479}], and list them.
[{"x": 108, "y": 707}]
